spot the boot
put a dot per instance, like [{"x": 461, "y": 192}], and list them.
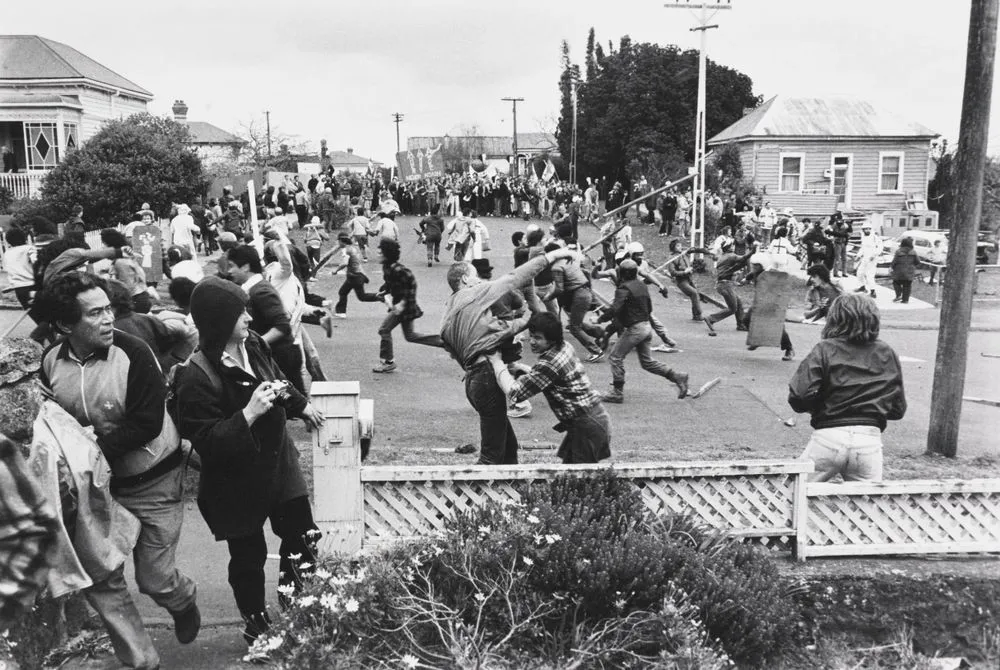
[
  {"x": 256, "y": 625},
  {"x": 614, "y": 396},
  {"x": 681, "y": 380}
]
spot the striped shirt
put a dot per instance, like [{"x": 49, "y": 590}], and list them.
[{"x": 560, "y": 377}]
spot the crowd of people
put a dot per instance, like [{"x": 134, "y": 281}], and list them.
[{"x": 225, "y": 368}]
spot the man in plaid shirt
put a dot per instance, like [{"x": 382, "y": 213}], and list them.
[
  {"x": 560, "y": 377},
  {"x": 399, "y": 291}
]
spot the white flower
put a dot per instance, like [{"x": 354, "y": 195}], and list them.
[
  {"x": 307, "y": 601},
  {"x": 351, "y": 605},
  {"x": 322, "y": 574},
  {"x": 553, "y": 538},
  {"x": 329, "y": 601},
  {"x": 527, "y": 561},
  {"x": 360, "y": 576},
  {"x": 314, "y": 532},
  {"x": 620, "y": 603},
  {"x": 286, "y": 589},
  {"x": 415, "y": 561},
  {"x": 410, "y": 661},
  {"x": 438, "y": 550},
  {"x": 305, "y": 566},
  {"x": 533, "y": 519},
  {"x": 481, "y": 597},
  {"x": 274, "y": 642},
  {"x": 484, "y": 530},
  {"x": 539, "y": 539}
]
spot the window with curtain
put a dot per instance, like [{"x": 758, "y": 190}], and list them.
[
  {"x": 791, "y": 173},
  {"x": 890, "y": 172}
]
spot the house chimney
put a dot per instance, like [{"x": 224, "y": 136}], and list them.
[
  {"x": 350, "y": 150},
  {"x": 180, "y": 111}
]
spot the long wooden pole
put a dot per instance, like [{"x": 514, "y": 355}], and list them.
[{"x": 956, "y": 303}]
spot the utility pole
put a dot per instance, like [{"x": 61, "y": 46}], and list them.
[
  {"x": 517, "y": 163},
  {"x": 397, "y": 118},
  {"x": 572, "y": 141},
  {"x": 707, "y": 13},
  {"x": 956, "y": 303},
  {"x": 267, "y": 116}
]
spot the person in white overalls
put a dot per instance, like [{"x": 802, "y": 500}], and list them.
[{"x": 871, "y": 249}]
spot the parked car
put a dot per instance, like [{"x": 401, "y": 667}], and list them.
[{"x": 923, "y": 241}]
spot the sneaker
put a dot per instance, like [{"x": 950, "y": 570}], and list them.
[
  {"x": 187, "y": 624},
  {"x": 666, "y": 350},
  {"x": 519, "y": 410},
  {"x": 384, "y": 367},
  {"x": 594, "y": 357},
  {"x": 698, "y": 319},
  {"x": 711, "y": 329},
  {"x": 437, "y": 260},
  {"x": 789, "y": 355},
  {"x": 340, "y": 315},
  {"x": 327, "y": 323},
  {"x": 897, "y": 300},
  {"x": 614, "y": 396}
]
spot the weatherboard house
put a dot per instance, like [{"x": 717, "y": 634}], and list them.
[
  {"x": 818, "y": 155},
  {"x": 52, "y": 98}
]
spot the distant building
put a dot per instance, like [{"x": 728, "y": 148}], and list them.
[
  {"x": 53, "y": 98},
  {"x": 817, "y": 155},
  {"x": 348, "y": 161},
  {"x": 213, "y": 144},
  {"x": 494, "y": 150}
]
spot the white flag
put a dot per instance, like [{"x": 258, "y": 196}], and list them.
[{"x": 550, "y": 170}]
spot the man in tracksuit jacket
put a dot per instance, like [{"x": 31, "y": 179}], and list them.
[{"x": 110, "y": 380}]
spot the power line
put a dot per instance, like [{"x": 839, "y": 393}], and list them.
[
  {"x": 517, "y": 163},
  {"x": 397, "y": 119}
]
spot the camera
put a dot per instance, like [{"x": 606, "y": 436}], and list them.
[{"x": 281, "y": 390}]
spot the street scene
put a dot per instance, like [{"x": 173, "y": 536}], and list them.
[{"x": 633, "y": 351}]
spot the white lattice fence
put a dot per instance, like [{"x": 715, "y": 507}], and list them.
[
  {"x": 754, "y": 498},
  {"x": 904, "y": 517}
]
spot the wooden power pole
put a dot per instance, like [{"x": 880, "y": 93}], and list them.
[
  {"x": 517, "y": 162},
  {"x": 397, "y": 118},
  {"x": 956, "y": 301}
]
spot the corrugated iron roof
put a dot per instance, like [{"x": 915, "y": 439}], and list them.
[
  {"x": 820, "y": 117},
  {"x": 206, "y": 133},
  {"x": 34, "y": 57},
  {"x": 28, "y": 98}
]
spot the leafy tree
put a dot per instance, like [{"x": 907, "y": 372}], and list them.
[
  {"x": 259, "y": 150},
  {"x": 636, "y": 108},
  {"x": 142, "y": 158},
  {"x": 942, "y": 190},
  {"x": 564, "y": 128},
  {"x": 727, "y": 162}
]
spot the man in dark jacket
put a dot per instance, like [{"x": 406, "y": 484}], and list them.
[
  {"x": 631, "y": 308},
  {"x": 233, "y": 403}
]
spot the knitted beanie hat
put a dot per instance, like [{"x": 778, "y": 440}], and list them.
[{"x": 216, "y": 304}]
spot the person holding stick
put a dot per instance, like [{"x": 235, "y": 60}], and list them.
[{"x": 680, "y": 269}]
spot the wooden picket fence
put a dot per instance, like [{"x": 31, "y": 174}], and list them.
[{"x": 765, "y": 501}]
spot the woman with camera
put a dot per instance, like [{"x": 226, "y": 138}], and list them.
[{"x": 233, "y": 403}]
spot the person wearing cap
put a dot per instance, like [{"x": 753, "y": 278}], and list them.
[
  {"x": 229, "y": 405},
  {"x": 399, "y": 291},
  {"x": 314, "y": 235},
  {"x": 636, "y": 252},
  {"x": 470, "y": 331},
  {"x": 868, "y": 253},
  {"x": 725, "y": 270},
  {"x": 571, "y": 291},
  {"x": 680, "y": 269},
  {"x": 631, "y": 309},
  {"x": 561, "y": 378}
]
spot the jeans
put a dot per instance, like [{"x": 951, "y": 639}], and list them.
[
  {"x": 292, "y": 521},
  {"x": 660, "y": 330},
  {"x": 854, "y": 452},
  {"x": 839, "y": 258},
  {"x": 638, "y": 336},
  {"x": 385, "y": 333},
  {"x": 734, "y": 305},
  {"x": 667, "y": 223},
  {"x": 114, "y": 605},
  {"x": 902, "y": 289},
  {"x": 313, "y": 253},
  {"x": 578, "y": 304},
  {"x": 356, "y": 284},
  {"x": 588, "y": 437},
  {"x": 433, "y": 250},
  {"x": 497, "y": 442},
  {"x": 688, "y": 289}
]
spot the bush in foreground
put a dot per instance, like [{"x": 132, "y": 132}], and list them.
[{"x": 576, "y": 575}]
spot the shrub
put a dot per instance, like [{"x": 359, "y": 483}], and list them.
[
  {"x": 6, "y": 198},
  {"x": 578, "y": 574}
]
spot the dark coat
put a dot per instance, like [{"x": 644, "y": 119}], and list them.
[
  {"x": 245, "y": 470},
  {"x": 904, "y": 264}
]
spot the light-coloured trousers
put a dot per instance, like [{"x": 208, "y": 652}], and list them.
[
  {"x": 866, "y": 273},
  {"x": 853, "y": 452}
]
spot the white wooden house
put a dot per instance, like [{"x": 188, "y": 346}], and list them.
[
  {"x": 53, "y": 98},
  {"x": 818, "y": 155}
]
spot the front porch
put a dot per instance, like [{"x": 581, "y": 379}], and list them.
[
  {"x": 36, "y": 133},
  {"x": 23, "y": 184}
]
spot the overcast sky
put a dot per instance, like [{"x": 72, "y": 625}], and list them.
[{"x": 338, "y": 70}]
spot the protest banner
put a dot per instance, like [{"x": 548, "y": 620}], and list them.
[
  {"x": 418, "y": 164},
  {"x": 147, "y": 247}
]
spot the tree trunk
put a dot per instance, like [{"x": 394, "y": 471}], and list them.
[{"x": 956, "y": 306}]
